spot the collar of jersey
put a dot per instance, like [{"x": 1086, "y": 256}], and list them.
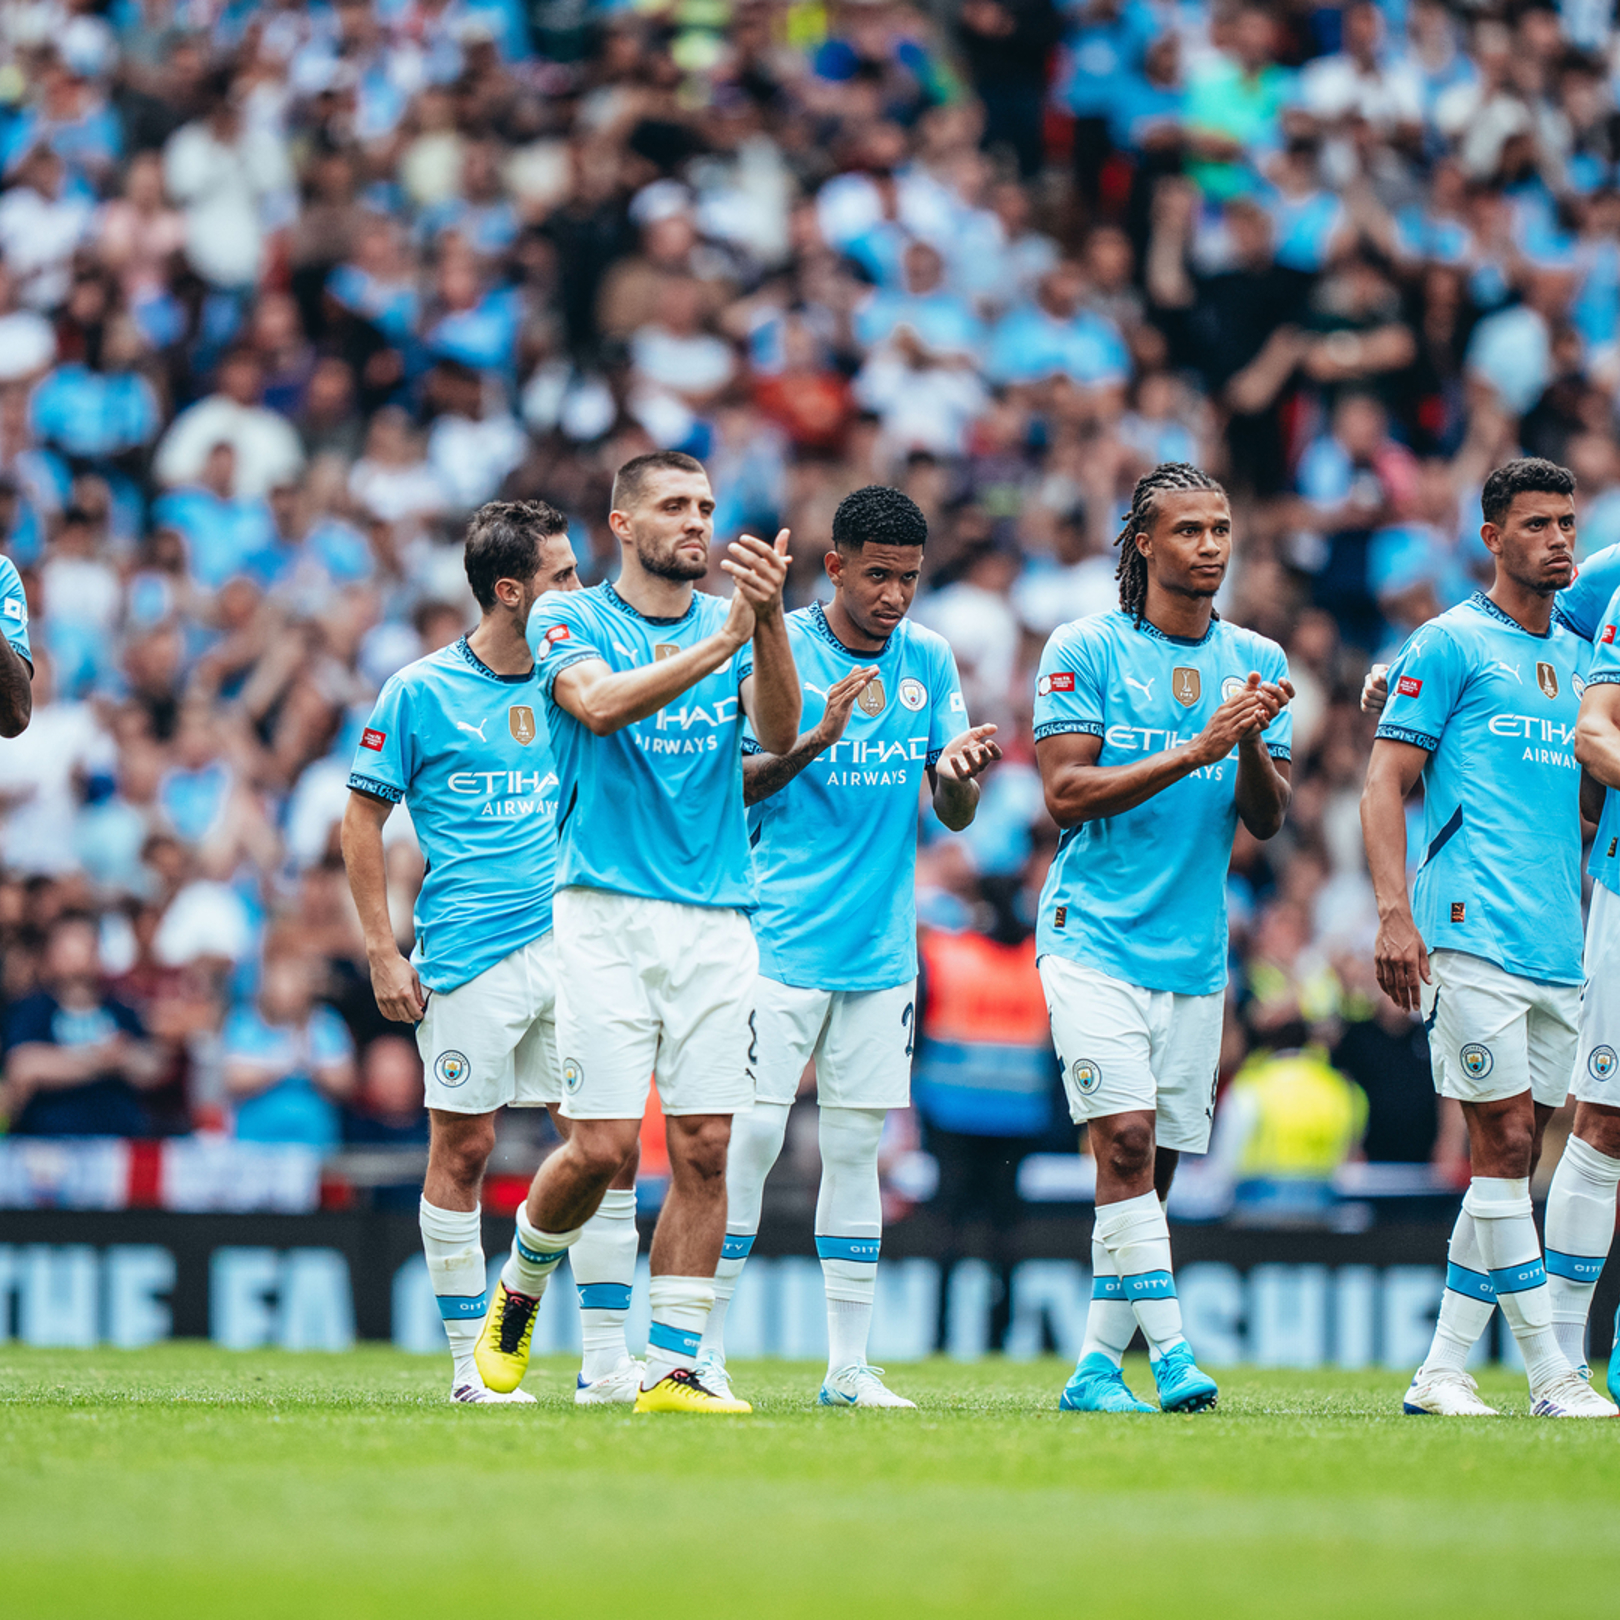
[
  {"x": 818, "y": 620},
  {"x": 1148, "y": 628},
  {"x": 1485, "y": 605},
  {"x": 612, "y": 596},
  {"x": 464, "y": 647}
]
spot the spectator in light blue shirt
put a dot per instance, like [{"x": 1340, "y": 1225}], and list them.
[
  {"x": 225, "y": 534},
  {"x": 944, "y": 323},
  {"x": 289, "y": 1063},
  {"x": 100, "y": 408},
  {"x": 1055, "y": 337}
]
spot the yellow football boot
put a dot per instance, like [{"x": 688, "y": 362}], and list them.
[
  {"x": 680, "y": 1391},
  {"x": 502, "y": 1351}
]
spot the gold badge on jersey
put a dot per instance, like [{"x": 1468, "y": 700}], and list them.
[
  {"x": 1185, "y": 685},
  {"x": 1547, "y": 679},
  {"x": 520, "y": 722},
  {"x": 873, "y": 697},
  {"x": 664, "y": 649}
]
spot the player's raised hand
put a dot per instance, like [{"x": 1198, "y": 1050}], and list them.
[
  {"x": 841, "y": 697},
  {"x": 1401, "y": 960},
  {"x": 1375, "y": 689},
  {"x": 740, "y": 621},
  {"x": 1274, "y": 697},
  {"x": 969, "y": 755},
  {"x": 759, "y": 570},
  {"x": 398, "y": 990},
  {"x": 1242, "y": 713}
]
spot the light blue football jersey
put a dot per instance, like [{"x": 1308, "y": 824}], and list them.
[
  {"x": 14, "y": 610},
  {"x": 1605, "y": 671},
  {"x": 467, "y": 751},
  {"x": 836, "y": 849},
  {"x": 1495, "y": 706},
  {"x": 1141, "y": 896},
  {"x": 1581, "y": 604},
  {"x": 656, "y": 809}
]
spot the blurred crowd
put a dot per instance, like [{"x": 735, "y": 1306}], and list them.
[{"x": 288, "y": 289}]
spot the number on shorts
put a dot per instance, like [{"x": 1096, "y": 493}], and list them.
[{"x": 906, "y": 1022}]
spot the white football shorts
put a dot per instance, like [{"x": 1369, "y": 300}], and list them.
[
  {"x": 862, "y": 1041},
  {"x": 653, "y": 986},
  {"x": 492, "y": 1042},
  {"x": 1125, "y": 1048},
  {"x": 1597, "y": 1064},
  {"x": 1494, "y": 1035}
]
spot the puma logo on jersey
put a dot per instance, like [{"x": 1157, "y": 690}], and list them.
[
  {"x": 1509, "y": 669},
  {"x": 1144, "y": 687},
  {"x": 477, "y": 731}
]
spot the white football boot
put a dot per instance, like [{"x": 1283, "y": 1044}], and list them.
[
  {"x": 617, "y": 1388},
  {"x": 474, "y": 1394},
  {"x": 860, "y": 1385},
  {"x": 1570, "y": 1396},
  {"x": 1445, "y": 1392}
]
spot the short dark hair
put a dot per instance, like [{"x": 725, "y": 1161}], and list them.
[
  {"x": 631, "y": 479},
  {"x": 503, "y": 542},
  {"x": 1529, "y": 475},
  {"x": 883, "y": 516}
]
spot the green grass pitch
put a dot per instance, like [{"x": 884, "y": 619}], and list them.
[{"x": 187, "y": 1481}]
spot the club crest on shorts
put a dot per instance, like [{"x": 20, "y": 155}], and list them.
[
  {"x": 664, "y": 649},
  {"x": 1087, "y": 1076},
  {"x": 1476, "y": 1060},
  {"x": 1601, "y": 1063},
  {"x": 873, "y": 698},
  {"x": 1230, "y": 687},
  {"x": 1547, "y": 680},
  {"x": 520, "y": 722},
  {"x": 1185, "y": 685},
  {"x": 913, "y": 694},
  {"x": 451, "y": 1069},
  {"x": 573, "y": 1073}
]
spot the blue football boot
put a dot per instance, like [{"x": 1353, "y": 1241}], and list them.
[
  {"x": 1613, "y": 1380},
  {"x": 1182, "y": 1387},
  {"x": 1097, "y": 1385}
]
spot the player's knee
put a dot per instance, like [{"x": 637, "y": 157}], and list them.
[
  {"x": 462, "y": 1155},
  {"x": 1599, "y": 1128},
  {"x": 1513, "y": 1148},
  {"x": 599, "y": 1154},
  {"x": 698, "y": 1153},
  {"x": 1130, "y": 1151}
]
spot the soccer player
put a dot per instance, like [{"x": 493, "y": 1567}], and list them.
[
  {"x": 458, "y": 738},
  {"x": 834, "y": 824},
  {"x": 16, "y": 656},
  {"x": 646, "y": 683},
  {"x": 1151, "y": 733},
  {"x": 1482, "y": 705}
]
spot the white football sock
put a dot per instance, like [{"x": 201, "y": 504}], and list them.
[
  {"x": 849, "y": 1228},
  {"x": 680, "y": 1306},
  {"x": 757, "y": 1135},
  {"x": 1110, "y": 1321},
  {"x": 1580, "y": 1228},
  {"x": 604, "y": 1267},
  {"x": 1468, "y": 1302},
  {"x": 1137, "y": 1236},
  {"x": 535, "y": 1255},
  {"x": 1506, "y": 1230},
  {"x": 455, "y": 1261}
]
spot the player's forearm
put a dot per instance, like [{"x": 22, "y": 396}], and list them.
[
  {"x": 16, "y": 692},
  {"x": 776, "y": 700},
  {"x": 605, "y": 701},
  {"x": 1080, "y": 793},
  {"x": 1597, "y": 738},
  {"x": 1263, "y": 793},
  {"x": 956, "y": 802},
  {"x": 765, "y": 774},
  {"x": 1383, "y": 830},
  {"x": 366, "y": 865}
]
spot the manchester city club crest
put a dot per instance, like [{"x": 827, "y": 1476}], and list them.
[
  {"x": 1476, "y": 1060},
  {"x": 1547, "y": 679},
  {"x": 1185, "y": 685},
  {"x": 873, "y": 697},
  {"x": 1230, "y": 688},
  {"x": 1601, "y": 1063},
  {"x": 572, "y": 1074},
  {"x": 913, "y": 694},
  {"x": 1087, "y": 1076},
  {"x": 451, "y": 1069},
  {"x": 520, "y": 722}
]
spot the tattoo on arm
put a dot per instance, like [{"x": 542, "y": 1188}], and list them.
[
  {"x": 765, "y": 774},
  {"x": 16, "y": 690}
]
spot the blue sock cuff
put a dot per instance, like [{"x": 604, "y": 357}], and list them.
[
  {"x": 538, "y": 1257},
  {"x": 737, "y": 1246},
  {"x": 674, "y": 1340},
  {"x": 462, "y": 1307},
  {"x": 1470, "y": 1284},
  {"x": 604, "y": 1296},
  {"x": 1149, "y": 1285},
  {"x": 848, "y": 1248},
  {"x": 1579, "y": 1268},
  {"x": 1107, "y": 1288},
  {"x": 1519, "y": 1279}
]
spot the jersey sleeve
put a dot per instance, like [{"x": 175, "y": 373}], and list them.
[
  {"x": 1425, "y": 682},
  {"x": 14, "y": 611},
  {"x": 385, "y": 759},
  {"x": 948, "y": 717},
  {"x": 1605, "y": 666},
  {"x": 559, "y": 636},
  {"x": 1586, "y": 605},
  {"x": 1279, "y": 735},
  {"x": 1068, "y": 692}
]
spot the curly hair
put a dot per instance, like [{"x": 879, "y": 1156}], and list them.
[
  {"x": 1529, "y": 475},
  {"x": 878, "y": 514},
  {"x": 1132, "y": 570}
]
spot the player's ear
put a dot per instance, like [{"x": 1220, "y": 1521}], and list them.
[
  {"x": 833, "y": 562},
  {"x": 1491, "y": 536}
]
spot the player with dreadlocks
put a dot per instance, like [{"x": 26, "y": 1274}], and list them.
[{"x": 1156, "y": 729}]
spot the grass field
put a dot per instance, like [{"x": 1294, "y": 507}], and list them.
[{"x": 185, "y": 1480}]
